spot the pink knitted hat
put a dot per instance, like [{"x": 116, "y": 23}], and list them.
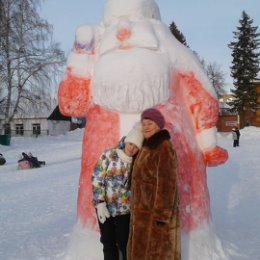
[{"x": 155, "y": 115}]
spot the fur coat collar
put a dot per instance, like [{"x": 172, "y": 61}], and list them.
[{"x": 154, "y": 141}]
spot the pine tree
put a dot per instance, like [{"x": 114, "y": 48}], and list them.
[
  {"x": 245, "y": 64},
  {"x": 178, "y": 34}
]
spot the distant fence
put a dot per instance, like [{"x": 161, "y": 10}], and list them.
[{"x": 25, "y": 133}]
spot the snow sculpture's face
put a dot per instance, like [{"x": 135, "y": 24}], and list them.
[{"x": 132, "y": 71}]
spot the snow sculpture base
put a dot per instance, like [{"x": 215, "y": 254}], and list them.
[
  {"x": 202, "y": 244},
  {"x": 84, "y": 244}
]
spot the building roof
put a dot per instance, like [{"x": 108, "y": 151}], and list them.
[{"x": 56, "y": 115}]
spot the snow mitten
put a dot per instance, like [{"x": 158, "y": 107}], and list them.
[{"x": 102, "y": 212}]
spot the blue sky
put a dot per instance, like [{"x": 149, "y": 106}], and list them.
[{"x": 206, "y": 24}]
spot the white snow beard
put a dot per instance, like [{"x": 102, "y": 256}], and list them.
[{"x": 131, "y": 80}]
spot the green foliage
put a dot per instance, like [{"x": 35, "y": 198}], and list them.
[
  {"x": 178, "y": 34},
  {"x": 245, "y": 64},
  {"x": 213, "y": 70}
]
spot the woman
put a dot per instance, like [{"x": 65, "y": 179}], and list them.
[
  {"x": 111, "y": 194},
  {"x": 154, "y": 227}
]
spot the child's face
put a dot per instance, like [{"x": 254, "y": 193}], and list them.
[{"x": 130, "y": 149}]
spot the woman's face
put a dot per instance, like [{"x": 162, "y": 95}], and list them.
[
  {"x": 149, "y": 128},
  {"x": 131, "y": 149}
]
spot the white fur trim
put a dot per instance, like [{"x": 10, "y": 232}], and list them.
[
  {"x": 80, "y": 64},
  {"x": 123, "y": 156},
  {"x": 207, "y": 138}
]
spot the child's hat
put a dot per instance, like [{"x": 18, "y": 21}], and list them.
[{"x": 135, "y": 136}]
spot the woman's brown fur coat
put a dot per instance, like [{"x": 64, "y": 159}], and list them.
[{"x": 154, "y": 227}]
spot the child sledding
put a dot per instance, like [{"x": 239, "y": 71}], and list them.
[
  {"x": 2, "y": 159},
  {"x": 28, "y": 161}
]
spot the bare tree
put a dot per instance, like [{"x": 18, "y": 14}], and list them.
[
  {"x": 215, "y": 74},
  {"x": 30, "y": 59},
  {"x": 217, "y": 77}
]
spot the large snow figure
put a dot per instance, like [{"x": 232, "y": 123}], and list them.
[{"x": 130, "y": 62}]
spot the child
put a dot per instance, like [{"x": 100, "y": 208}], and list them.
[
  {"x": 2, "y": 159},
  {"x": 28, "y": 161},
  {"x": 111, "y": 194}
]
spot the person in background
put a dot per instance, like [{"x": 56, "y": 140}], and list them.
[
  {"x": 238, "y": 135},
  {"x": 28, "y": 161},
  {"x": 34, "y": 161},
  {"x": 234, "y": 137},
  {"x": 111, "y": 194},
  {"x": 24, "y": 162},
  {"x": 154, "y": 226},
  {"x": 2, "y": 159}
]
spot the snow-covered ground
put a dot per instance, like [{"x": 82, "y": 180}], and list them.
[{"x": 38, "y": 206}]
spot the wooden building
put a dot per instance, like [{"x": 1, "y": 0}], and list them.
[{"x": 228, "y": 120}]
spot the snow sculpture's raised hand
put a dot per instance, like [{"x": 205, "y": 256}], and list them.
[
  {"x": 215, "y": 156},
  {"x": 102, "y": 212},
  {"x": 74, "y": 95},
  {"x": 74, "y": 90}
]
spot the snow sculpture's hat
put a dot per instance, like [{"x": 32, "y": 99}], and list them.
[
  {"x": 155, "y": 115},
  {"x": 130, "y": 8},
  {"x": 135, "y": 136}
]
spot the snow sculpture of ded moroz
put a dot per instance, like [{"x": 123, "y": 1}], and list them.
[{"x": 130, "y": 62}]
